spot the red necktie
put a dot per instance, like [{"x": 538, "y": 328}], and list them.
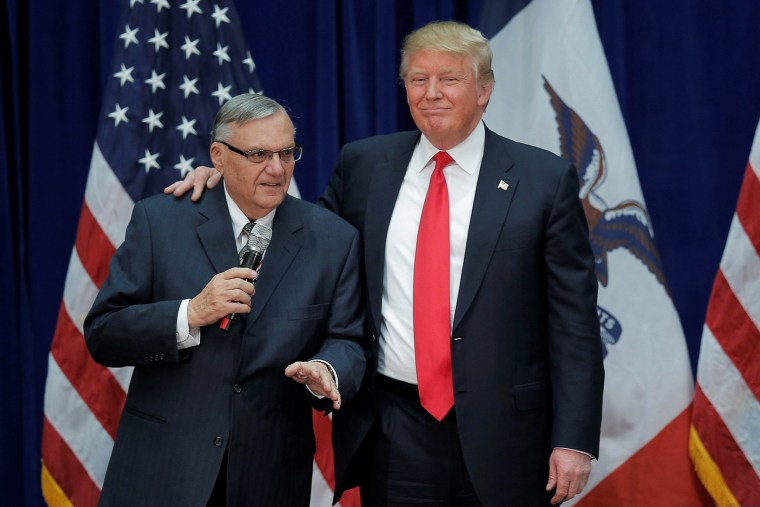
[{"x": 432, "y": 329}]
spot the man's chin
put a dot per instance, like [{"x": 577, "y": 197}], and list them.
[
  {"x": 275, "y": 200},
  {"x": 436, "y": 124}
]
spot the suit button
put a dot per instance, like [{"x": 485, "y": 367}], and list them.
[
  {"x": 161, "y": 357},
  {"x": 374, "y": 338},
  {"x": 237, "y": 388},
  {"x": 218, "y": 441}
]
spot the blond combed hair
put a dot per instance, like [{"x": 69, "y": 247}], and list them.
[{"x": 450, "y": 37}]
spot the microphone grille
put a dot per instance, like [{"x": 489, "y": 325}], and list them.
[{"x": 259, "y": 238}]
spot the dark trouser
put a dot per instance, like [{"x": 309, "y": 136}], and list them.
[{"x": 414, "y": 459}]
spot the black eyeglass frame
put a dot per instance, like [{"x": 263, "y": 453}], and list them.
[{"x": 296, "y": 150}]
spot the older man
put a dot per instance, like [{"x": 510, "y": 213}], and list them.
[{"x": 211, "y": 417}]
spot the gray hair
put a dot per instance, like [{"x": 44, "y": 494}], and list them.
[
  {"x": 242, "y": 109},
  {"x": 450, "y": 37}
]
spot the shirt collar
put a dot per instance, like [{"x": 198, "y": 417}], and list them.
[
  {"x": 239, "y": 219},
  {"x": 468, "y": 154}
]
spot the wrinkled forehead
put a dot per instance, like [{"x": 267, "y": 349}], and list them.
[{"x": 273, "y": 132}]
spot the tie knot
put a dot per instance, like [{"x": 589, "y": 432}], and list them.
[
  {"x": 247, "y": 228},
  {"x": 442, "y": 159}
]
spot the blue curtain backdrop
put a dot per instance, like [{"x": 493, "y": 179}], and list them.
[{"x": 685, "y": 71}]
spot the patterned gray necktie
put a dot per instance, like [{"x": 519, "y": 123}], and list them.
[{"x": 246, "y": 234}]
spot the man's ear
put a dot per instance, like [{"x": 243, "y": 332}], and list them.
[
  {"x": 217, "y": 158},
  {"x": 485, "y": 94}
]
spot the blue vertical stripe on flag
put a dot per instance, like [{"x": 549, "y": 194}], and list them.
[{"x": 495, "y": 14}]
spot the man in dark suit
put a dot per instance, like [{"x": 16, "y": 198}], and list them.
[
  {"x": 218, "y": 417},
  {"x": 511, "y": 413},
  {"x": 525, "y": 352}
]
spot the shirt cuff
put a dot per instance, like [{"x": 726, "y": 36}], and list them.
[
  {"x": 591, "y": 456},
  {"x": 186, "y": 336},
  {"x": 332, "y": 372}
]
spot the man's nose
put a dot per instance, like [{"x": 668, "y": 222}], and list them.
[
  {"x": 275, "y": 165},
  {"x": 433, "y": 90}
]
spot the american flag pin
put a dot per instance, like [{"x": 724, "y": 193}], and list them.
[{"x": 503, "y": 185}]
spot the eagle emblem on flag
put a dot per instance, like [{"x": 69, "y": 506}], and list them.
[{"x": 625, "y": 225}]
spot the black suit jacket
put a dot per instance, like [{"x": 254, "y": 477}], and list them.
[
  {"x": 184, "y": 408},
  {"x": 527, "y": 359}
]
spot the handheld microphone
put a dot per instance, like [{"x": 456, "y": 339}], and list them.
[{"x": 258, "y": 241}]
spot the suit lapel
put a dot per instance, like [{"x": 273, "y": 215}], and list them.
[
  {"x": 387, "y": 176},
  {"x": 279, "y": 255},
  {"x": 489, "y": 212},
  {"x": 215, "y": 232}
]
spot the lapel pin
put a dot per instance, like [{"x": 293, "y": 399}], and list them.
[{"x": 503, "y": 185}]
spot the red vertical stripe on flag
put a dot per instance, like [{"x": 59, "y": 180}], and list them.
[
  {"x": 96, "y": 385},
  {"x": 324, "y": 454},
  {"x": 747, "y": 208},
  {"x": 93, "y": 247},
  {"x": 737, "y": 472},
  {"x": 728, "y": 320},
  {"x": 68, "y": 472}
]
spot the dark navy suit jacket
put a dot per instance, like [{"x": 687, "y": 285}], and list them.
[
  {"x": 184, "y": 408},
  {"x": 527, "y": 358}
]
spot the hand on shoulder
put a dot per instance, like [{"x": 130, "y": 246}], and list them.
[{"x": 198, "y": 180}]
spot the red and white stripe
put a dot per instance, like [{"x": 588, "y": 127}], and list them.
[
  {"x": 83, "y": 400},
  {"x": 724, "y": 443}
]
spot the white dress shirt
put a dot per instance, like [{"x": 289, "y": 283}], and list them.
[
  {"x": 396, "y": 342},
  {"x": 396, "y": 351}
]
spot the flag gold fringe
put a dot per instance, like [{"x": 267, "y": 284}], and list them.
[
  {"x": 52, "y": 492},
  {"x": 709, "y": 473}
]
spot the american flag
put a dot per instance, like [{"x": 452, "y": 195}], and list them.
[
  {"x": 725, "y": 426},
  {"x": 174, "y": 65}
]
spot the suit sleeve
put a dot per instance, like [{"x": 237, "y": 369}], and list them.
[
  {"x": 125, "y": 327},
  {"x": 575, "y": 354},
  {"x": 343, "y": 333}
]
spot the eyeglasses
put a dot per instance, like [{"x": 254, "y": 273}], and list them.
[{"x": 257, "y": 156}]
